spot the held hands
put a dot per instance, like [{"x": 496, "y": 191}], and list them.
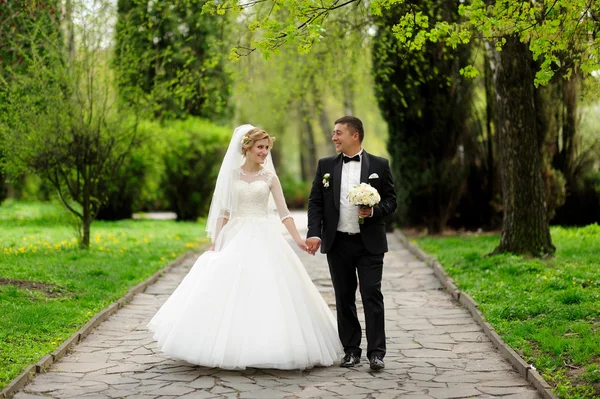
[
  {"x": 313, "y": 245},
  {"x": 302, "y": 245}
]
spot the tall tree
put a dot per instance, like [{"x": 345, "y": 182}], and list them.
[
  {"x": 426, "y": 103},
  {"x": 525, "y": 225},
  {"x": 60, "y": 118},
  {"x": 529, "y": 30},
  {"x": 522, "y": 32},
  {"x": 17, "y": 32},
  {"x": 172, "y": 52}
]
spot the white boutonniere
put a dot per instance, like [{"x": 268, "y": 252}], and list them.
[
  {"x": 374, "y": 176},
  {"x": 326, "y": 177}
]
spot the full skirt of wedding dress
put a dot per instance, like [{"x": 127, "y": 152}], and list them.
[{"x": 251, "y": 304}]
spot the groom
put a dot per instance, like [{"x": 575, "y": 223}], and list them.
[{"x": 353, "y": 248}]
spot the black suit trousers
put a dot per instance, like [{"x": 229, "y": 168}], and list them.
[{"x": 348, "y": 258}]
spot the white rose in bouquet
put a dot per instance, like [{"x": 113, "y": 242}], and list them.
[{"x": 364, "y": 195}]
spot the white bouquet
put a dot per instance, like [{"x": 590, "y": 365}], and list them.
[{"x": 364, "y": 195}]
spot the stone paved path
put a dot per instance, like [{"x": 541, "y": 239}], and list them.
[{"x": 435, "y": 350}]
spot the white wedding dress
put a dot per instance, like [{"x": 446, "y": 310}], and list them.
[{"x": 250, "y": 303}]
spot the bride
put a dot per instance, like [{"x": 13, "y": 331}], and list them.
[{"x": 248, "y": 302}]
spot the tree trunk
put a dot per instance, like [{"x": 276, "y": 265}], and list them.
[
  {"x": 569, "y": 129},
  {"x": 70, "y": 29},
  {"x": 525, "y": 226},
  {"x": 326, "y": 128},
  {"x": 491, "y": 117},
  {"x": 308, "y": 152},
  {"x": 349, "y": 97},
  {"x": 87, "y": 214}
]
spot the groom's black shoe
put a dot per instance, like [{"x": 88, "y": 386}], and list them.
[
  {"x": 351, "y": 359},
  {"x": 376, "y": 363}
]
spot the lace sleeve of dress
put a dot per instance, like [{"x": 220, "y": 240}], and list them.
[
  {"x": 277, "y": 192},
  {"x": 224, "y": 214}
]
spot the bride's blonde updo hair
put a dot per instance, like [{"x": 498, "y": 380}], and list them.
[{"x": 253, "y": 136}]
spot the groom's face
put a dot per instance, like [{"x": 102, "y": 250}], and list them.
[{"x": 345, "y": 140}]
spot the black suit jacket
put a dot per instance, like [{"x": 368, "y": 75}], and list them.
[{"x": 324, "y": 202}]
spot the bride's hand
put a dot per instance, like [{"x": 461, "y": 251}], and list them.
[{"x": 302, "y": 245}]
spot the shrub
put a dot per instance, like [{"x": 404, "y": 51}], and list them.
[
  {"x": 295, "y": 191},
  {"x": 193, "y": 153}
]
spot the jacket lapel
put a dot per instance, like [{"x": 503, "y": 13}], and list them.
[
  {"x": 337, "y": 180},
  {"x": 365, "y": 163}
]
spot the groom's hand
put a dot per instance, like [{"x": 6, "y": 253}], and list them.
[
  {"x": 313, "y": 245},
  {"x": 365, "y": 211}
]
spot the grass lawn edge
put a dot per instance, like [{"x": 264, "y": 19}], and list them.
[{"x": 46, "y": 361}]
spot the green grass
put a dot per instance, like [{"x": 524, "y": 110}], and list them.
[
  {"x": 37, "y": 244},
  {"x": 547, "y": 310}
]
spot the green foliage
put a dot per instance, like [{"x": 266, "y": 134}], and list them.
[
  {"x": 296, "y": 95},
  {"x": 426, "y": 104},
  {"x": 36, "y": 245},
  {"x": 562, "y": 34},
  {"x": 548, "y": 311},
  {"x": 295, "y": 191},
  {"x": 61, "y": 120},
  {"x": 193, "y": 151},
  {"x": 136, "y": 186},
  {"x": 170, "y": 55}
]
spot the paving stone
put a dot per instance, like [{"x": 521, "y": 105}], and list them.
[
  {"x": 204, "y": 382},
  {"x": 24, "y": 395},
  {"x": 446, "y": 393},
  {"x": 175, "y": 390},
  {"x": 429, "y": 353},
  {"x": 44, "y": 387},
  {"x": 435, "y": 351},
  {"x": 198, "y": 395},
  {"x": 77, "y": 367}
]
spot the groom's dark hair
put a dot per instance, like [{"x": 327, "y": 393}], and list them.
[{"x": 354, "y": 124}]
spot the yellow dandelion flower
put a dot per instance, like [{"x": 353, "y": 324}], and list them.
[
  {"x": 173, "y": 255},
  {"x": 89, "y": 313},
  {"x": 101, "y": 248},
  {"x": 162, "y": 258},
  {"x": 24, "y": 238},
  {"x": 59, "y": 339},
  {"x": 53, "y": 343},
  {"x": 73, "y": 239}
]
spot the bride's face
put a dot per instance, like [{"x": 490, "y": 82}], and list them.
[{"x": 259, "y": 151}]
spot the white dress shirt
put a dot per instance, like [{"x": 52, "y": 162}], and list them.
[{"x": 348, "y": 222}]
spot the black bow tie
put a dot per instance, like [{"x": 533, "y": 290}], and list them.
[{"x": 354, "y": 158}]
